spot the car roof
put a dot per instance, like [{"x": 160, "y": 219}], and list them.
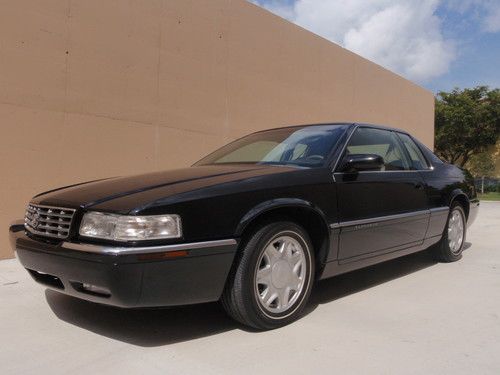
[
  {"x": 383, "y": 127},
  {"x": 350, "y": 124}
]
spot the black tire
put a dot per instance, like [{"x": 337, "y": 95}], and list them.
[
  {"x": 241, "y": 297},
  {"x": 442, "y": 251}
]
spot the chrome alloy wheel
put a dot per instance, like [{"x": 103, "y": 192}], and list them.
[
  {"x": 455, "y": 231},
  {"x": 281, "y": 274}
]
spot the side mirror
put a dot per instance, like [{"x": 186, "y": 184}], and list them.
[{"x": 362, "y": 162}]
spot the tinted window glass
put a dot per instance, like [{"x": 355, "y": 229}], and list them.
[
  {"x": 308, "y": 146},
  {"x": 417, "y": 158},
  {"x": 430, "y": 155},
  {"x": 252, "y": 152},
  {"x": 379, "y": 142}
]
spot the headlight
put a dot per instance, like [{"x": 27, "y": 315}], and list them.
[{"x": 130, "y": 228}]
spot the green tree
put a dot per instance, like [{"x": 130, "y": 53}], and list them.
[
  {"x": 481, "y": 165},
  {"x": 466, "y": 122}
]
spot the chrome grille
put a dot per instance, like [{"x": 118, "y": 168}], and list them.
[{"x": 48, "y": 221}]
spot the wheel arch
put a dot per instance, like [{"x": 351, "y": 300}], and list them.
[
  {"x": 458, "y": 195},
  {"x": 299, "y": 211}
]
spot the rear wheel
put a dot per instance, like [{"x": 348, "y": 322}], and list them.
[
  {"x": 269, "y": 286},
  {"x": 450, "y": 248}
]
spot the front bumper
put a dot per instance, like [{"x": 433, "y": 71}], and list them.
[{"x": 134, "y": 277}]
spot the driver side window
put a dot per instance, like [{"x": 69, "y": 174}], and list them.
[{"x": 383, "y": 143}]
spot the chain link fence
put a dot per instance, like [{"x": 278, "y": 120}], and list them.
[{"x": 488, "y": 184}]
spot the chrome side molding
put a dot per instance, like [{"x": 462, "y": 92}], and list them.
[
  {"x": 388, "y": 218},
  {"x": 439, "y": 209}
]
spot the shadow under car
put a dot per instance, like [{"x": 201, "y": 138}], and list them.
[{"x": 164, "y": 326}]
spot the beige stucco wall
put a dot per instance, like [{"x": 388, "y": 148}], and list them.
[{"x": 95, "y": 88}]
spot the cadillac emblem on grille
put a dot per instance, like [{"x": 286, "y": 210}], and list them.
[
  {"x": 48, "y": 221},
  {"x": 34, "y": 220}
]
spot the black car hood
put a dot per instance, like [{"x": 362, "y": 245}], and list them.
[{"x": 146, "y": 188}]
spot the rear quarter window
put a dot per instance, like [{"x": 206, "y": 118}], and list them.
[
  {"x": 429, "y": 154},
  {"x": 417, "y": 157}
]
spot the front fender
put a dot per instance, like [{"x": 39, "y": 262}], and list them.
[{"x": 275, "y": 204}]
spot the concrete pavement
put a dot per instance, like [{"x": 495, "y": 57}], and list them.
[{"x": 407, "y": 316}]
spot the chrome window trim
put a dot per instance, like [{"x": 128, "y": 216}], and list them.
[
  {"x": 356, "y": 127},
  {"x": 117, "y": 250},
  {"x": 392, "y": 171},
  {"x": 381, "y": 219}
]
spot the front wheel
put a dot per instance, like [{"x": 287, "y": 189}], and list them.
[
  {"x": 450, "y": 248},
  {"x": 269, "y": 286}
]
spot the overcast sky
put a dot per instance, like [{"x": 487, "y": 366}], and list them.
[{"x": 439, "y": 44}]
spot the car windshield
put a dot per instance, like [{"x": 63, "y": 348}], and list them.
[{"x": 307, "y": 146}]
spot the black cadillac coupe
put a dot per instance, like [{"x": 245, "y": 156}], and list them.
[{"x": 253, "y": 224}]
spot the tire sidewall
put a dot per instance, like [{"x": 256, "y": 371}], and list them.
[
  {"x": 270, "y": 232},
  {"x": 446, "y": 245}
]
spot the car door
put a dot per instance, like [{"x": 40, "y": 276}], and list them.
[{"x": 382, "y": 210}]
